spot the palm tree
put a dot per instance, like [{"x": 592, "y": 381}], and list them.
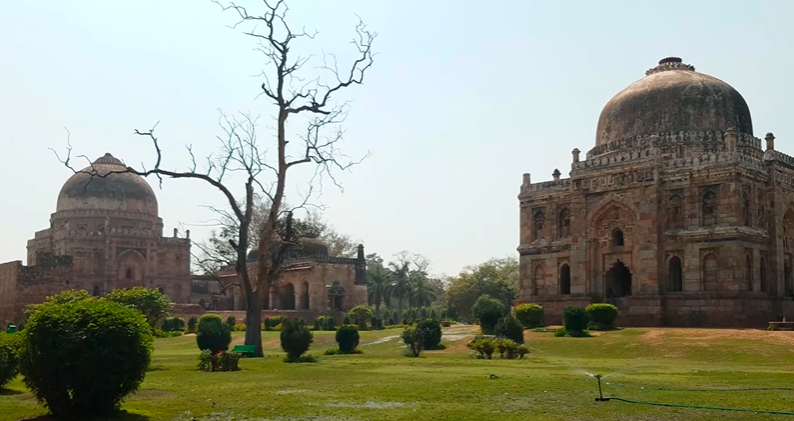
[
  {"x": 400, "y": 284},
  {"x": 378, "y": 287},
  {"x": 421, "y": 294}
]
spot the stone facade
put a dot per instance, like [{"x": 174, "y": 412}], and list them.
[
  {"x": 312, "y": 284},
  {"x": 105, "y": 234},
  {"x": 685, "y": 222}
]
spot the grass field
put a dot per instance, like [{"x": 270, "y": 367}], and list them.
[{"x": 552, "y": 383}]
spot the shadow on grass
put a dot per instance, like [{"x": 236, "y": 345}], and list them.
[
  {"x": 10, "y": 392},
  {"x": 156, "y": 368},
  {"x": 122, "y": 416}
]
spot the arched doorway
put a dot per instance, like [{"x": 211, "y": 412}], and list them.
[
  {"x": 288, "y": 297},
  {"x": 618, "y": 280},
  {"x": 674, "y": 274},
  {"x": 305, "y": 296},
  {"x": 565, "y": 279}
]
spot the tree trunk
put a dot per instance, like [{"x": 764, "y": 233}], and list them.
[{"x": 253, "y": 321}]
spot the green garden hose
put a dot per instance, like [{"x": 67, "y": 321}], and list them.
[
  {"x": 714, "y": 408},
  {"x": 735, "y": 389}
]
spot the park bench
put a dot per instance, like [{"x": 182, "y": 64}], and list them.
[
  {"x": 246, "y": 350},
  {"x": 784, "y": 325}
]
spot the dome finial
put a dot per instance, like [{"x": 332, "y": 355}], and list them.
[{"x": 670, "y": 63}]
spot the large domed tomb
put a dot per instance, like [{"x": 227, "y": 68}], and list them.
[{"x": 673, "y": 98}]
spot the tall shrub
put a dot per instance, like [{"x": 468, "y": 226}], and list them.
[
  {"x": 510, "y": 328},
  {"x": 9, "y": 359},
  {"x": 191, "y": 324},
  {"x": 173, "y": 324},
  {"x": 361, "y": 315},
  {"x": 530, "y": 315},
  {"x": 431, "y": 333},
  {"x": 80, "y": 359},
  {"x": 213, "y": 333},
  {"x": 575, "y": 319},
  {"x": 347, "y": 337},
  {"x": 296, "y": 338},
  {"x": 151, "y": 302},
  {"x": 602, "y": 315},
  {"x": 414, "y": 340},
  {"x": 488, "y": 311}
]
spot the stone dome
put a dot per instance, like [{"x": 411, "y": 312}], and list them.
[
  {"x": 673, "y": 97},
  {"x": 116, "y": 192}
]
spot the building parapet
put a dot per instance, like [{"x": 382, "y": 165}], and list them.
[
  {"x": 655, "y": 140},
  {"x": 774, "y": 155}
]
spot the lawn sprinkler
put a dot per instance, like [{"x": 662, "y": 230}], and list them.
[{"x": 600, "y": 397}]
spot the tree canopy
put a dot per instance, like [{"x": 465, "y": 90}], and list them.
[{"x": 497, "y": 278}]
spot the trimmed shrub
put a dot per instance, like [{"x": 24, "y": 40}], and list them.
[
  {"x": 160, "y": 333},
  {"x": 484, "y": 347},
  {"x": 602, "y": 315},
  {"x": 509, "y": 327},
  {"x": 239, "y": 327},
  {"x": 361, "y": 315},
  {"x": 9, "y": 357},
  {"x": 488, "y": 311},
  {"x": 336, "y": 351},
  {"x": 191, "y": 324},
  {"x": 347, "y": 337},
  {"x": 575, "y": 319},
  {"x": 154, "y": 305},
  {"x": 81, "y": 359},
  {"x": 173, "y": 324},
  {"x": 221, "y": 361},
  {"x": 530, "y": 315},
  {"x": 270, "y": 323},
  {"x": 560, "y": 332},
  {"x": 511, "y": 350},
  {"x": 296, "y": 339},
  {"x": 414, "y": 340},
  {"x": 346, "y": 320},
  {"x": 231, "y": 321},
  {"x": 213, "y": 334},
  {"x": 432, "y": 333}
]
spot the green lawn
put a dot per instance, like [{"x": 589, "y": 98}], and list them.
[{"x": 550, "y": 384}]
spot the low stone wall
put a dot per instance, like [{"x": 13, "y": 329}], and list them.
[
  {"x": 717, "y": 310},
  {"x": 194, "y": 310}
]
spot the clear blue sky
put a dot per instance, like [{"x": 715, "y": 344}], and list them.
[{"x": 464, "y": 97}]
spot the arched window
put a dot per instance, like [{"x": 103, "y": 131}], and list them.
[
  {"x": 675, "y": 275},
  {"x": 710, "y": 273},
  {"x": 97, "y": 292},
  {"x": 129, "y": 274},
  {"x": 746, "y": 215},
  {"x": 538, "y": 222},
  {"x": 709, "y": 208},
  {"x": 564, "y": 228},
  {"x": 675, "y": 214},
  {"x": 617, "y": 238},
  {"x": 288, "y": 297},
  {"x": 763, "y": 279},
  {"x": 161, "y": 290},
  {"x": 565, "y": 279},
  {"x": 748, "y": 271},
  {"x": 538, "y": 283}
]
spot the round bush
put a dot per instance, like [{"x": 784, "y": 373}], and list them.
[
  {"x": 530, "y": 315},
  {"x": 488, "y": 311},
  {"x": 510, "y": 328},
  {"x": 296, "y": 339},
  {"x": 81, "y": 359},
  {"x": 347, "y": 337},
  {"x": 213, "y": 333},
  {"x": 575, "y": 319},
  {"x": 9, "y": 361},
  {"x": 173, "y": 324},
  {"x": 603, "y": 315},
  {"x": 361, "y": 315},
  {"x": 431, "y": 333}
]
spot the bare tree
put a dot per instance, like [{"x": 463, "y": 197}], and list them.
[{"x": 244, "y": 155}]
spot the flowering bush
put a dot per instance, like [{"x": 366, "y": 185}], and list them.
[{"x": 220, "y": 361}]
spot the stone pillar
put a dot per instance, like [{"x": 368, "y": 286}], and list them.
[
  {"x": 176, "y": 231},
  {"x": 575, "y": 154},
  {"x": 527, "y": 180},
  {"x": 770, "y": 141},
  {"x": 187, "y": 234},
  {"x": 731, "y": 139},
  {"x": 556, "y": 174}
]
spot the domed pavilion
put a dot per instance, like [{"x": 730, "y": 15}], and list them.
[
  {"x": 105, "y": 234},
  {"x": 677, "y": 215}
]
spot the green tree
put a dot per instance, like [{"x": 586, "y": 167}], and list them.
[
  {"x": 361, "y": 314},
  {"x": 378, "y": 286},
  {"x": 488, "y": 311},
  {"x": 420, "y": 293},
  {"x": 496, "y": 278},
  {"x": 154, "y": 305},
  {"x": 296, "y": 338}
]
